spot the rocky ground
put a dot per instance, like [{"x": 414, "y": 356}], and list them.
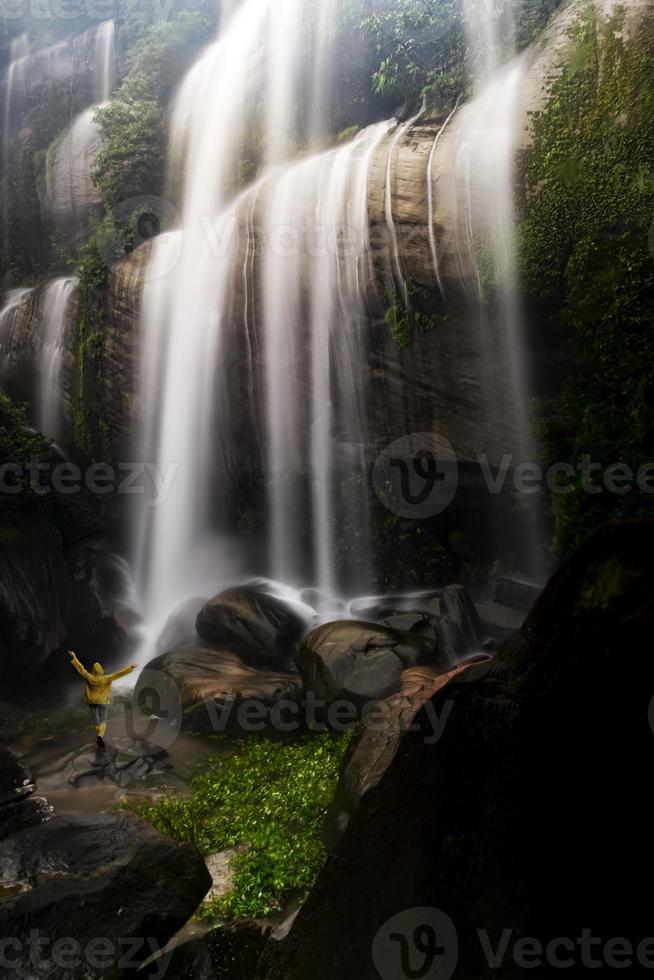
[{"x": 506, "y": 788}]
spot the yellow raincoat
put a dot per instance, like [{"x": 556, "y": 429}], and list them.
[{"x": 98, "y": 684}]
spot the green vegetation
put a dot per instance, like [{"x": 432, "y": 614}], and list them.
[
  {"x": 588, "y": 263},
  {"x": 132, "y": 162},
  {"x": 28, "y": 500},
  {"x": 404, "y": 325},
  {"x": 420, "y": 46},
  {"x": 268, "y": 798}
]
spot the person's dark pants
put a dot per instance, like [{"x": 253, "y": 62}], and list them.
[{"x": 99, "y": 715}]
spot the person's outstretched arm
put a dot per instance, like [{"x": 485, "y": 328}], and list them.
[
  {"x": 119, "y": 673},
  {"x": 80, "y": 668}
]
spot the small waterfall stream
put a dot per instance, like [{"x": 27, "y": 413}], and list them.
[
  {"x": 71, "y": 192},
  {"x": 56, "y": 300},
  {"x": 13, "y": 300}
]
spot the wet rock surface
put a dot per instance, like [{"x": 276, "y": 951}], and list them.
[
  {"x": 359, "y": 662},
  {"x": 262, "y": 628},
  {"x": 19, "y": 808},
  {"x": 109, "y": 875},
  {"x": 221, "y": 694},
  {"x": 372, "y": 751}
]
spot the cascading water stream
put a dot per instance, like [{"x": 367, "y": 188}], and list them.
[
  {"x": 56, "y": 300},
  {"x": 320, "y": 281},
  {"x": 308, "y": 319},
  {"x": 70, "y": 162},
  {"x": 258, "y": 63},
  {"x": 13, "y": 301},
  {"x": 105, "y": 61},
  {"x": 486, "y": 136}
]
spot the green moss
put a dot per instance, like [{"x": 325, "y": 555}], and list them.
[
  {"x": 405, "y": 325},
  {"x": 269, "y": 799},
  {"x": 589, "y": 198},
  {"x": 604, "y": 584}
]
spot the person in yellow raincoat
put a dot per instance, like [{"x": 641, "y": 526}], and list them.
[{"x": 98, "y": 692}]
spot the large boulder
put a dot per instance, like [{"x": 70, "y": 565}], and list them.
[
  {"x": 18, "y": 807},
  {"x": 79, "y": 878},
  {"x": 529, "y": 818},
  {"x": 220, "y": 694},
  {"x": 261, "y": 627},
  {"x": 373, "y": 749},
  {"x": 359, "y": 662},
  {"x": 15, "y": 782}
]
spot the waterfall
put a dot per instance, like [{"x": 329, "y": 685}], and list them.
[
  {"x": 105, "y": 61},
  {"x": 486, "y": 135},
  {"x": 14, "y": 300},
  {"x": 56, "y": 300},
  {"x": 268, "y": 67},
  {"x": 14, "y": 81},
  {"x": 317, "y": 287},
  {"x": 71, "y": 193}
]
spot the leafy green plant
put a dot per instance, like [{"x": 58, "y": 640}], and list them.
[
  {"x": 133, "y": 126},
  {"x": 267, "y": 798},
  {"x": 586, "y": 259}
]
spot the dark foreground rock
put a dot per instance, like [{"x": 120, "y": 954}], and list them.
[
  {"x": 262, "y": 628},
  {"x": 530, "y": 814},
  {"x": 18, "y": 807},
  {"x": 371, "y": 752},
  {"x": 360, "y": 662},
  {"x": 220, "y": 694},
  {"x": 230, "y": 952},
  {"x": 109, "y": 875}
]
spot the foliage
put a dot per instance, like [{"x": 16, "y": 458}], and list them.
[
  {"x": 269, "y": 799},
  {"x": 27, "y": 455},
  {"x": 421, "y": 316},
  {"x": 421, "y": 46},
  {"x": 589, "y": 200},
  {"x": 19, "y": 446},
  {"x": 132, "y": 161}
]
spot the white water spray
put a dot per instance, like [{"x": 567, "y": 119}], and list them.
[
  {"x": 56, "y": 300},
  {"x": 71, "y": 193},
  {"x": 257, "y": 70}
]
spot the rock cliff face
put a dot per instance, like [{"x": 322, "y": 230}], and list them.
[
  {"x": 436, "y": 383},
  {"x": 98, "y": 377},
  {"x": 50, "y": 599}
]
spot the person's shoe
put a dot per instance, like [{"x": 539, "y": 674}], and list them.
[{"x": 100, "y": 741}]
